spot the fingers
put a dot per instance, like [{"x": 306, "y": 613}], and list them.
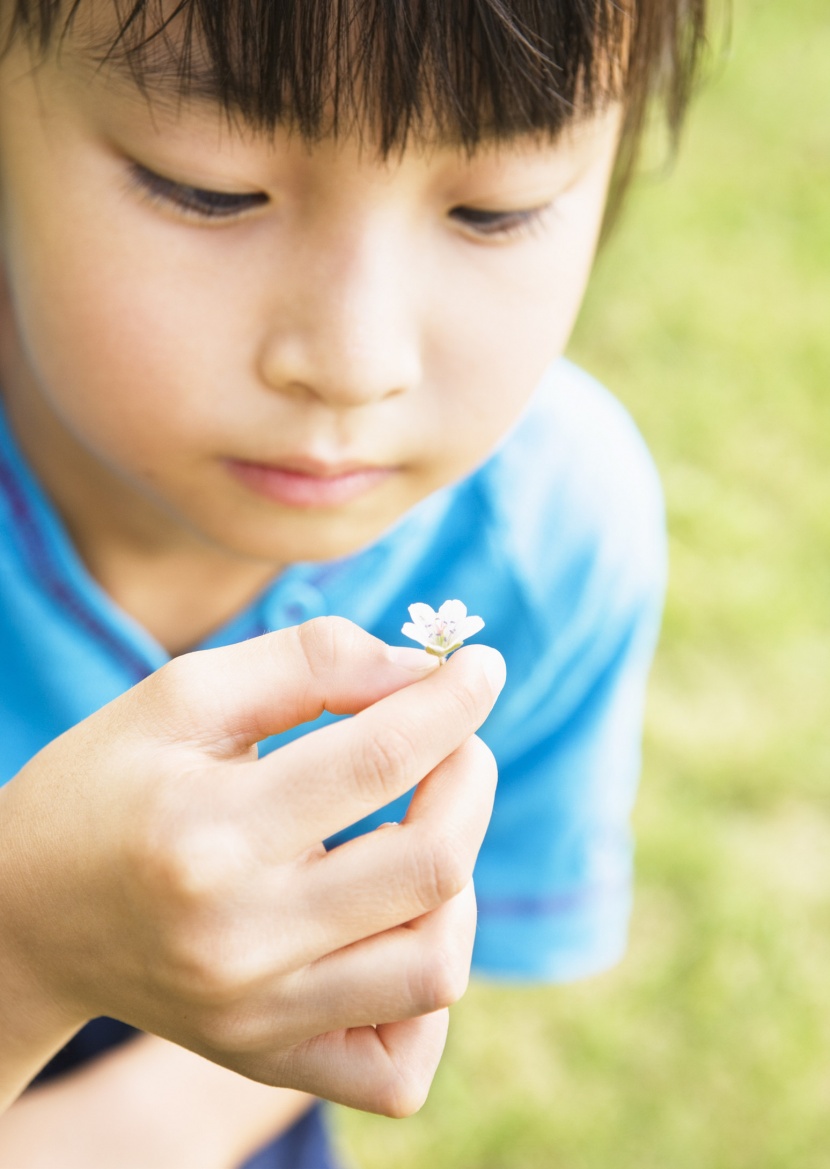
[
  {"x": 411, "y": 970},
  {"x": 402, "y": 871},
  {"x": 270, "y": 941},
  {"x": 387, "y": 1069},
  {"x": 406, "y": 972},
  {"x": 227, "y": 699},
  {"x": 322, "y": 783},
  {"x": 403, "y": 974}
]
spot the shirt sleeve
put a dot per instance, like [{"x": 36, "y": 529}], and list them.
[{"x": 554, "y": 876}]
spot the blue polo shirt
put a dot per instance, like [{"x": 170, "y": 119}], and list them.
[{"x": 557, "y": 541}]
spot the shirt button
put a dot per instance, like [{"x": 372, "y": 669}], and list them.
[{"x": 300, "y": 602}]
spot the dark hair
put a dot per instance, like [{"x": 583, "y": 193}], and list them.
[{"x": 462, "y": 70}]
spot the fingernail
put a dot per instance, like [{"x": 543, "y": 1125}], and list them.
[
  {"x": 495, "y": 669},
  {"x": 414, "y": 660}
]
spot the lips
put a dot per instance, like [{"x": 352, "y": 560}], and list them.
[{"x": 302, "y": 483}]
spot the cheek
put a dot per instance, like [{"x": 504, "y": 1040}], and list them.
[
  {"x": 106, "y": 313},
  {"x": 493, "y": 342},
  {"x": 105, "y": 339}
]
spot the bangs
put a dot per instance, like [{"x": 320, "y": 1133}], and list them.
[
  {"x": 458, "y": 71},
  {"x": 452, "y": 71}
]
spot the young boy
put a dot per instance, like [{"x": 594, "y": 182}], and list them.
[{"x": 285, "y": 290}]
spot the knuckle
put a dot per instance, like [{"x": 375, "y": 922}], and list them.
[
  {"x": 220, "y": 977},
  {"x": 325, "y": 641},
  {"x": 233, "y": 1028},
  {"x": 203, "y": 863},
  {"x": 478, "y": 759},
  {"x": 193, "y": 866},
  {"x": 383, "y": 762},
  {"x": 401, "y": 1089},
  {"x": 200, "y": 970},
  {"x": 443, "y": 978},
  {"x": 468, "y": 701},
  {"x": 403, "y": 1094},
  {"x": 444, "y": 870},
  {"x": 192, "y": 876}
]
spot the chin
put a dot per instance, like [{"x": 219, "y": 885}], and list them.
[{"x": 316, "y": 542}]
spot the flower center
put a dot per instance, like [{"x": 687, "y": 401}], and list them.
[{"x": 443, "y": 631}]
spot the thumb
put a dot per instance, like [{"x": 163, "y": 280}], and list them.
[{"x": 229, "y": 698}]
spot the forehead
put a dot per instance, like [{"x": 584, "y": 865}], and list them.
[{"x": 427, "y": 69}]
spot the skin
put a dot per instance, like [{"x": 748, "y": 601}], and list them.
[
  {"x": 220, "y": 922},
  {"x": 203, "y": 1116},
  {"x": 353, "y": 314},
  {"x": 394, "y": 315}
]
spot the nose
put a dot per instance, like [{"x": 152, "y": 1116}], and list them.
[{"x": 345, "y": 328}]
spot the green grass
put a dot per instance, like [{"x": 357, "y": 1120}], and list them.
[{"x": 709, "y": 1048}]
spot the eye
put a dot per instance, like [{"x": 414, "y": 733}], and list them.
[
  {"x": 500, "y": 224},
  {"x": 193, "y": 201}
]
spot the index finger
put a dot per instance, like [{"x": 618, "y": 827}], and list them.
[
  {"x": 322, "y": 783},
  {"x": 226, "y": 699}
]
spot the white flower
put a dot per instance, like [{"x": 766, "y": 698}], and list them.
[{"x": 442, "y": 632}]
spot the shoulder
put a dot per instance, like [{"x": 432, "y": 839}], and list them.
[
  {"x": 571, "y": 509},
  {"x": 575, "y": 511},
  {"x": 575, "y": 494},
  {"x": 575, "y": 465}
]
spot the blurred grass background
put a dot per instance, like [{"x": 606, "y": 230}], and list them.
[{"x": 709, "y": 1047}]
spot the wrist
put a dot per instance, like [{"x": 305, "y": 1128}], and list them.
[
  {"x": 34, "y": 1020},
  {"x": 32, "y": 1025}
]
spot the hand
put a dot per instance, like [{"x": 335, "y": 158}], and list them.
[{"x": 156, "y": 870}]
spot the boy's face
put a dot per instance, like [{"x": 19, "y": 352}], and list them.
[{"x": 273, "y": 348}]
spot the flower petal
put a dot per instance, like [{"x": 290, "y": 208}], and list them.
[
  {"x": 455, "y": 611},
  {"x": 469, "y": 626},
  {"x": 422, "y": 614},
  {"x": 416, "y": 632}
]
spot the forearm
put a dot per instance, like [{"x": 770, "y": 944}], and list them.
[
  {"x": 33, "y": 1023},
  {"x": 148, "y": 1102},
  {"x": 31, "y": 1030}
]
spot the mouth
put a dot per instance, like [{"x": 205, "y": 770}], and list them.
[{"x": 302, "y": 483}]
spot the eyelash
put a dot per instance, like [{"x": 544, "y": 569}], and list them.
[
  {"x": 501, "y": 225},
  {"x": 192, "y": 201},
  {"x": 202, "y": 204}
]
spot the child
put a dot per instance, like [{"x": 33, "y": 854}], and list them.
[{"x": 286, "y": 287}]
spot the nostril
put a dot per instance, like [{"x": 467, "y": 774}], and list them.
[{"x": 335, "y": 361}]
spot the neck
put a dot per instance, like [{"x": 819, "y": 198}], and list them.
[{"x": 152, "y": 568}]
